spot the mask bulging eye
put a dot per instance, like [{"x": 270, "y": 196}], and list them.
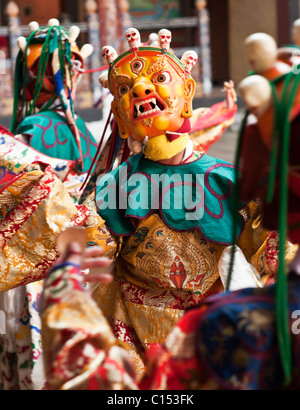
[
  {"x": 163, "y": 77},
  {"x": 123, "y": 89},
  {"x": 137, "y": 66}
]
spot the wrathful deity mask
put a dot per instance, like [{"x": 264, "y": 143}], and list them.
[{"x": 153, "y": 92}]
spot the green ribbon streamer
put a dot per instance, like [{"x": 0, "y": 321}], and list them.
[{"x": 279, "y": 160}]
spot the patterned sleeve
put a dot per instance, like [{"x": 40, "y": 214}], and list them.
[
  {"x": 80, "y": 351},
  {"x": 34, "y": 208},
  {"x": 79, "y": 347}
]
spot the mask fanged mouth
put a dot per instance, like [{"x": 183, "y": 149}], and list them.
[{"x": 145, "y": 108}]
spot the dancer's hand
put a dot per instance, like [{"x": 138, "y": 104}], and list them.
[
  {"x": 231, "y": 97},
  {"x": 72, "y": 245}
]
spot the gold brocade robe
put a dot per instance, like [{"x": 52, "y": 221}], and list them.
[{"x": 159, "y": 273}]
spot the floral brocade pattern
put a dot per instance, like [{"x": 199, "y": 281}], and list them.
[
  {"x": 237, "y": 341},
  {"x": 28, "y": 231},
  {"x": 81, "y": 352},
  {"x": 15, "y": 155},
  {"x": 228, "y": 342},
  {"x": 34, "y": 207},
  {"x": 161, "y": 273},
  {"x": 160, "y": 254},
  {"x": 73, "y": 355}
]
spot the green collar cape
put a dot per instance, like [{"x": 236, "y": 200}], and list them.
[{"x": 195, "y": 195}]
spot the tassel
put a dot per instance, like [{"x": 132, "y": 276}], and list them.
[
  {"x": 97, "y": 152},
  {"x": 114, "y": 145}
]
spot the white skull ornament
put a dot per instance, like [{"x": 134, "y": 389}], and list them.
[
  {"x": 164, "y": 38},
  {"x": 109, "y": 53},
  {"x": 133, "y": 38},
  {"x": 189, "y": 59}
]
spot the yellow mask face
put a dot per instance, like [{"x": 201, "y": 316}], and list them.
[{"x": 152, "y": 93}]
